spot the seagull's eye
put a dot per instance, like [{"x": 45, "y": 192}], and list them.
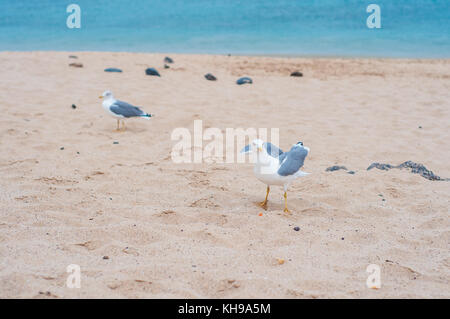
[{"x": 300, "y": 143}]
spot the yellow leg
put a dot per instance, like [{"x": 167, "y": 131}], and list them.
[
  {"x": 286, "y": 210},
  {"x": 118, "y": 126},
  {"x": 123, "y": 125},
  {"x": 264, "y": 203}
]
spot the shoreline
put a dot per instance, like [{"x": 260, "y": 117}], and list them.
[{"x": 258, "y": 55}]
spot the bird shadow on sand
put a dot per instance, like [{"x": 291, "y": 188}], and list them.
[
  {"x": 129, "y": 129},
  {"x": 272, "y": 207}
]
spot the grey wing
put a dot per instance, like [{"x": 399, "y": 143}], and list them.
[
  {"x": 293, "y": 161},
  {"x": 246, "y": 149},
  {"x": 125, "y": 109},
  {"x": 282, "y": 157},
  {"x": 272, "y": 150}
]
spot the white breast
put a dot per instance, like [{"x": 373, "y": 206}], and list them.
[
  {"x": 106, "y": 105},
  {"x": 266, "y": 168}
]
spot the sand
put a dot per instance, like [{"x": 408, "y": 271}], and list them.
[{"x": 194, "y": 230}]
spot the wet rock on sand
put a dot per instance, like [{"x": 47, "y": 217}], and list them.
[
  {"x": 415, "y": 168},
  {"x": 168, "y": 60},
  {"x": 152, "y": 71},
  {"x": 210, "y": 77},
  {"x": 335, "y": 168},
  {"x": 297, "y": 74},
  {"x": 384, "y": 167},
  {"x": 76, "y": 65},
  {"x": 113, "y": 70},
  {"x": 244, "y": 80}
]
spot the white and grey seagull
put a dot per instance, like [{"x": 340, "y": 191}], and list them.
[
  {"x": 121, "y": 110},
  {"x": 275, "y": 167}
]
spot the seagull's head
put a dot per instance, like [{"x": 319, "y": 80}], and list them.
[
  {"x": 300, "y": 144},
  {"x": 254, "y": 147},
  {"x": 257, "y": 145},
  {"x": 106, "y": 95}
]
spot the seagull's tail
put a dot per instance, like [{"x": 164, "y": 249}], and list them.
[
  {"x": 301, "y": 173},
  {"x": 147, "y": 116}
]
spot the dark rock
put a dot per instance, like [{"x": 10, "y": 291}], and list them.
[
  {"x": 420, "y": 126},
  {"x": 115, "y": 142},
  {"x": 351, "y": 172},
  {"x": 105, "y": 257},
  {"x": 384, "y": 167},
  {"x": 210, "y": 77},
  {"x": 73, "y": 57},
  {"x": 76, "y": 65},
  {"x": 61, "y": 148},
  {"x": 335, "y": 168},
  {"x": 166, "y": 66},
  {"x": 152, "y": 71},
  {"x": 414, "y": 167},
  {"x": 113, "y": 70},
  {"x": 168, "y": 60},
  {"x": 419, "y": 169},
  {"x": 296, "y": 228},
  {"x": 297, "y": 74},
  {"x": 244, "y": 80},
  {"x": 74, "y": 106}
]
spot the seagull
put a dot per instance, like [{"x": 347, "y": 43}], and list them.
[
  {"x": 275, "y": 167},
  {"x": 121, "y": 110}
]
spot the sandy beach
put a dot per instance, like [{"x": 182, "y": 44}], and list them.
[{"x": 75, "y": 191}]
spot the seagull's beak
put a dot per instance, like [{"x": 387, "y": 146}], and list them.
[
  {"x": 260, "y": 149},
  {"x": 100, "y": 97}
]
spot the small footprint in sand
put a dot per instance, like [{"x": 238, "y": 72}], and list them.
[
  {"x": 89, "y": 245},
  {"x": 393, "y": 192},
  {"x": 27, "y": 199},
  {"x": 199, "y": 183},
  {"x": 114, "y": 285},
  {"x": 47, "y": 294},
  {"x": 95, "y": 173},
  {"x": 204, "y": 202},
  {"x": 228, "y": 284},
  {"x": 221, "y": 168},
  {"x": 167, "y": 212},
  {"x": 19, "y": 162},
  {"x": 130, "y": 251},
  {"x": 54, "y": 180},
  {"x": 132, "y": 285}
]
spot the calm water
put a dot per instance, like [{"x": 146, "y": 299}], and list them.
[{"x": 410, "y": 28}]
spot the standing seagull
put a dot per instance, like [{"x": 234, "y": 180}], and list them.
[
  {"x": 121, "y": 110},
  {"x": 274, "y": 167}
]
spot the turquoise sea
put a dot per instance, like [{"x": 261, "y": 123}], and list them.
[{"x": 409, "y": 28}]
